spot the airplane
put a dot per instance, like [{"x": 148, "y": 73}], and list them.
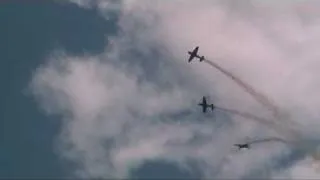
[
  {"x": 205, "y": 105},
  {"x": 194, "y": 54},
  {"x": 242, "y": 146}
]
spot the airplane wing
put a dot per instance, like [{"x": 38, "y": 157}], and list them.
[
  {"x": 195, "y": 51},
  {"x": 204, "y": 109},
  {"x": 204, "y": 104},
  {"x": 191, "y": 57},
  {"x": 204, "y": 101}
]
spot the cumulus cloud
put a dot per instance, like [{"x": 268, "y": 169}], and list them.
[{"x": 137, "y": 101}]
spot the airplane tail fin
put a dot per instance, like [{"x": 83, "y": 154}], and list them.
[
  {"x": 238, "y": 145},
  {"x": 212, "y": 107}
]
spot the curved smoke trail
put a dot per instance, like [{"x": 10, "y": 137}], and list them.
[
  {"x": 259, "y": 97},
  {"x": 289, "y": 134},
  {"x": 267, "y": 140},
  {"x": 283, "y": 126}
]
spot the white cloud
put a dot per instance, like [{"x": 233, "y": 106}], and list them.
[
  {"x": 119, "y": 110},
  {"x": 307, "y": 168}
]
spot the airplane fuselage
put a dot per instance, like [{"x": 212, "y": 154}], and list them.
[
  {"x": 243, "y": 146},
  {"x": 194, "y": 54},
  {"x": 205, "y": 105}
]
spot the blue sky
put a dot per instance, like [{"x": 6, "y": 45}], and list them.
[
  {"x": 31, "y": 31},
  {"x": 103, "y": 89}
]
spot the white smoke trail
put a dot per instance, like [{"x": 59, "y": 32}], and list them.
[
  {"x": 268, "y": 140},
  {"x": 288, "y": 134},
  {"x": 258, "y": 96},
  {"x": 280, "y": 122}
]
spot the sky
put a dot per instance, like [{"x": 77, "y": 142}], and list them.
[
  {"x": 29, "y": 32},
  {"x": 110, "y": 90}
]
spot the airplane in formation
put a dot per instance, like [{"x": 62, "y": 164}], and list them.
[
  {"x": 243, "y": 146},
  {"x": 194, "y": 54},
  {"x": 205, "y": 105}
]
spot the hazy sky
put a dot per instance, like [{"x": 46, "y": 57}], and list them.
[{"x": 125, "y": 98}]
